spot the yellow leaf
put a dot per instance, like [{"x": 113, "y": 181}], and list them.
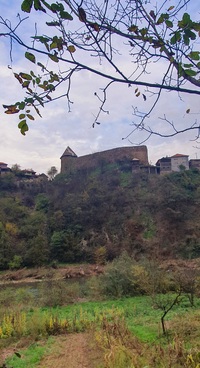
[
  {"x": 133, "y": 28},
  {"x": 30, "y": 117},
  {"x": 71, "y": 49}
]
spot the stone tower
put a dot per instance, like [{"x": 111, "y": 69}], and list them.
[{"x": 67, "y": 159}]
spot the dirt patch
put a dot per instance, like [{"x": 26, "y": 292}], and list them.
[
  {"x": 49, "y": 273},
  {"x": 73, "y": 351}
]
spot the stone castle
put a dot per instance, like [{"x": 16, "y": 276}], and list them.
[{"x": 70, "y": 161}]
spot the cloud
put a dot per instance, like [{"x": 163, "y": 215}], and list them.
[{"x": 48, "y": 137}]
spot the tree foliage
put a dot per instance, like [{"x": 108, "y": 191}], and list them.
[
  {"x": 94, "y": 216},
  {"x": 120, "y": 41},
  {"x": 52, "y": 172}
]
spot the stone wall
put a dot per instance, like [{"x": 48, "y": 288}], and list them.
[{"x": 69, "y": 163}]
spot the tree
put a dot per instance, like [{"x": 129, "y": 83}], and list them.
[
  {"x": 16, "y": 169},
  {"x": 139, "y": 32},
  {"x": 52, "y": 172}
]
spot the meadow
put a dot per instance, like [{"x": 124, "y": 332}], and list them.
[{"x": 127, "y": 330}]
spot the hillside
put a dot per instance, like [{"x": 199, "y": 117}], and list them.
[{"x": 92, "y": 215}]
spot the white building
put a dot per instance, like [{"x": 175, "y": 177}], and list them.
[{"x": 179, "y": 162}]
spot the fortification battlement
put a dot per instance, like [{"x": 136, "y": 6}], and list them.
[{"x": 70, "y": 161}]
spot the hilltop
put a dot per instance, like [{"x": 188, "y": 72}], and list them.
[{"x": 94, "y": 214}]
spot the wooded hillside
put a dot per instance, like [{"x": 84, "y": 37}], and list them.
[{"x": 93, "y": 215}]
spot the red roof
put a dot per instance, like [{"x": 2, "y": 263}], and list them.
[{"x": 179, "y": 155}]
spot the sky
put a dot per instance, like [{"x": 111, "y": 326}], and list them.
[{"x": 49, "y": 136}]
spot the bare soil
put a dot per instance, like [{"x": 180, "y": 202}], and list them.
[
  {"x": 77, "y": 350},
  {"x": 73, "y": 351}
]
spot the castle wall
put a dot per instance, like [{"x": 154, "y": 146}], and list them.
[{"x": 69, "y": 163}]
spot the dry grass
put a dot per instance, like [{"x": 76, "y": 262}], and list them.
[{"x": 72, "y": 351}]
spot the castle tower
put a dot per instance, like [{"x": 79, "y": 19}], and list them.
[{"x": 67, "y": 159}]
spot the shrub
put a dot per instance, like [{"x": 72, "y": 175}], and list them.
[
  {"x": 117, "y": 280},
  {"x": 16, "y": 263}
]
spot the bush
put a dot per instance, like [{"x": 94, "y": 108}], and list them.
[
  {"x": 117, "y": 280},
  {"x": 16, "y": 263}
]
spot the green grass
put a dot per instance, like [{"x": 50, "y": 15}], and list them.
[
  {"x": 141, "y": 317},
  {"x": 31, "y": 356}
]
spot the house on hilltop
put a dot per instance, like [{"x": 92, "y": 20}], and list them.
[
  {"x": 173, "y": 163},
  {"x": 194, "y": 163},
  {"x": 178, "y": 161},
  {"x": 4, "y": 169},
  {"x": 70, "y": 161}
]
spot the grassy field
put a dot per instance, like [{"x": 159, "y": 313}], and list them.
[{"x": 127, "y": 330}]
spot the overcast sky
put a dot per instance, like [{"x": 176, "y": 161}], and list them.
[{"x": 48, "y": 137}]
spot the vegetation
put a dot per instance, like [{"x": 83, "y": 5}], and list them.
[
  {"x": 137, "y": 34},
  {"x": 95, "y": 215},
  {"x": 144, "y": 229},
  {"x": 125, "y": 330}
]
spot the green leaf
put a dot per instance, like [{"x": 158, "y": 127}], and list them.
[
  {"x": 133, "y": 28},
  {"x": 38, "y": 6},
  {"x": 32, "y": 74},
  {"x": 27, "y": 5},
  {"x": 30, "y": 57},
  {"x": 55, "y": 7},
  {"x": 194, "y": 55},
  {"x": 29, "y": 100},
  {"x": 186, "y": 19},
  {"x": 53, "y": 24},
  {"x": 41, "y": 66},
  {"x": 143, "y": 31},
  {"x": 25, "y": 76},
  {"x": 42, "y": 39},
  {"x": 20, "y": 125},
  {"x": 50, "y": 87},
  {"x": 21, "y": 105},
  {"x": 54, "y": 58},
  {"x": 46, "y": 4},
  {"x": 160, "y": 20},
  {"x": 190, "y": 34},
  {"x": 169, "y": 24},
  {"x": 188, "y": 65},
  {"x": 176, "y": 38},
  {"x": 196, "y": 26},
  {"x": 186, "y": 40},
  {"x": 54, "y": 78},
  {"x": 25, "y": 83},
  {"x": 53, "y": 45},
  {"x": 190, "y": 72},
  {"x": 22, "y": 116},
  {"x": 65, "y": 15},
  {"x": 180, "y": 70},
  {"x": 23, "y": 127}
]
